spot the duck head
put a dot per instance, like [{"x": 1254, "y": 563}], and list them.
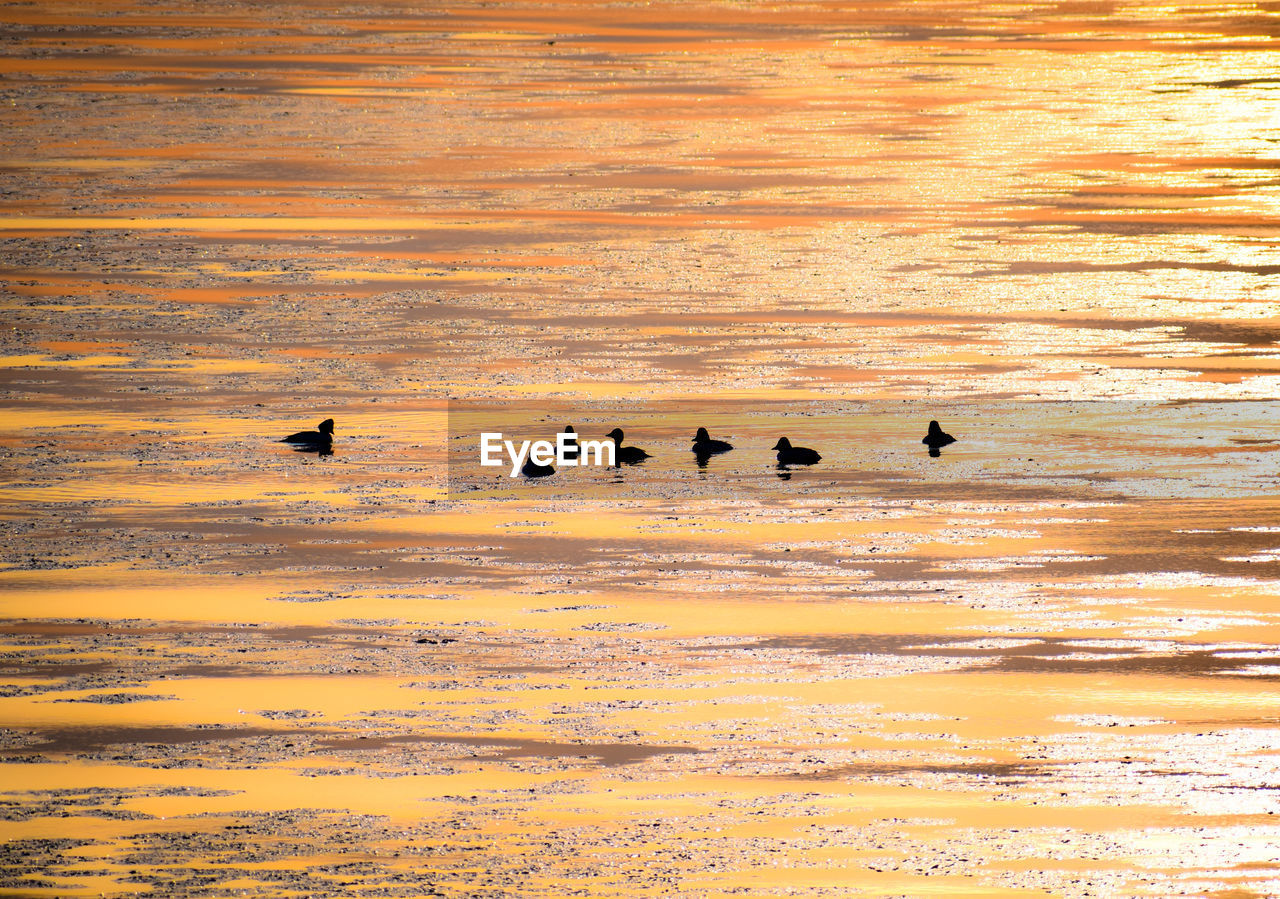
[
  {"x": 615, "y": 435},
  {"x": 326, "y": 427},
  {"x": 702, "y": 436},
  {"x": 783, "y": 444}
]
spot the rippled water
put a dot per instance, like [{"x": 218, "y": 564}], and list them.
[{"x": 1043, "y": 662}]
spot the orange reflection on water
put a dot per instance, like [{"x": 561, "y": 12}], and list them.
[{"x": 1042, "y": 662}]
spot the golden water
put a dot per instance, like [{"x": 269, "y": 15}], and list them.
[{"x": 1043, "y": 663}]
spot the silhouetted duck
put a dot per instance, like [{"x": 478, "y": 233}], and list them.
[
  {"x": 936, "y": 439},
  {"x": 625, "y": 455},
  {"x": 795, "y": 455},
  {"x": 703, "y": 445},
  {"x": 571, "y": 443},
  {"x": 317, "y": 441},
  {"x": 532, "y": 469}
]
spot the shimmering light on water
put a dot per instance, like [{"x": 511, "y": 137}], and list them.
[{"x": 1043, "y": 661}]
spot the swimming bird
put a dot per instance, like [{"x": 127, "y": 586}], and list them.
[
  {"x": 795, "y": 455},
  {"x": 317, "y": 441},
  {"x": 628, "y": 455},
  {"x": 703, "y": 445},
  {"x": 570, "y": 443},
  {"x": 936, "y": 439},
  {"x": 532, "y": 469}
]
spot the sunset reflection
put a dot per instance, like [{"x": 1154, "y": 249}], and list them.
[{"x": 1040, "y": 659}]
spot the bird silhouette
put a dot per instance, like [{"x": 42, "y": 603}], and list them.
[
  {"x": 795, "y": 455},
  {"x": 704, "y": 446},
  {"x": 625, "y": 455},
  {"x": 936, "y": 439},
  {"x": 317, "y": 441},
  {"x": 532, "y": 469}
]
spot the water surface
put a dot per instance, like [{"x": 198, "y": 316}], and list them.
[{"x": 1042, "y": 663}]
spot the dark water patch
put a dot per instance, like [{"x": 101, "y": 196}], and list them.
[
  {"x": 216, "y": 671},
  {"x": 984, "y": 649},
  {"x": 1252, "y": 335},
  {"x": 1065, "y": 268},
  {"x": 1130, "y": 225},
  {"x": 1190, "y": 664},
  {"x": 508, "y": 670},
  {"x": 26, "y": 863},
  {"x": 52, "y": 670},
  {"x": 1190, "y": 561},
  {"x": 118, "y": 698},
  {"x": 873, "y": 644},
  {"x": 1227, "y": 83},
  {"x": 336, "y": 636},
  {"x": 609, "y": 755},
  {"x": 1046, "y": 655},
  {"x": 134, "y": 628},
  {"x": 56, "y": 628},
  {"x": 1006, "y": 773},
  {"x": 97, "y": 739},
  {"x": 766, "y": 324}
]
